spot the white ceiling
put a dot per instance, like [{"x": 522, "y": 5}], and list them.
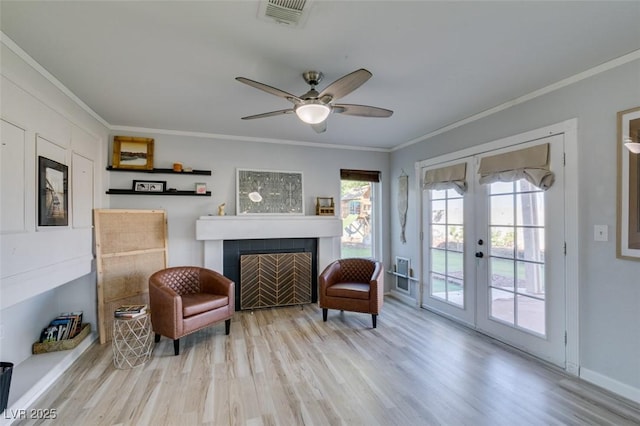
[{"x": 171, "y": 65}]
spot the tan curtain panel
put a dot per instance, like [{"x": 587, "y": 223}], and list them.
[
  {"x": 450, "y": 177},
  {"x": 361, "y": 175},
  {"x": 531, "y": 164}
]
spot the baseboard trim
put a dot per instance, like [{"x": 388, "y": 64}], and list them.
[
  {"x": 28, "y": 393},
  {"x": 612, "y": 385}
]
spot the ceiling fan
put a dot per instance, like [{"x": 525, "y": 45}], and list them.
[{"x": 314, "y": 107}]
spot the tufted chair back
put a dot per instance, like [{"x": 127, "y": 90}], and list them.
[
  {"x": 184, "y": 280},
  {"x": 356, "y": 270}
]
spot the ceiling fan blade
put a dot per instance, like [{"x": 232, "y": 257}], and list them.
[
  {"x": 320, "y": 127},
  {"x": 269, "y": 89},
  {"x": 269, "y": 114},
  {"x": 361, "y": 110},
  {"x": 346, "y": 84}
]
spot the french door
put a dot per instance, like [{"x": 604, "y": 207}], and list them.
[{"x": 494, "y": 255}]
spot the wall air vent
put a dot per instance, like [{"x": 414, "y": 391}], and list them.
[{"x": 288, "y": 12}]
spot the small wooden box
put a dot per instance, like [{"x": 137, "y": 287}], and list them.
[
  {"x": 325, "y": 206},
  {"x": 62, "y": 345}
]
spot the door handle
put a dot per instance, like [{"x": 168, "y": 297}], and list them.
[{"x": 479, "y": 254}]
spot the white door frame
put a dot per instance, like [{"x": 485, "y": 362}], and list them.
[{"x": 567, "y": 128}]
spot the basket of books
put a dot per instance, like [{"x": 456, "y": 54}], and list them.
[{"x": 64, "y": 332}]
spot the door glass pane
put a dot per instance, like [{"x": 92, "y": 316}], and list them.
[
  {"x": 529, "y": 312},
  {"x": 517, "y": 255},
  {"x": 531, "y": 279},
  {"x": 502, "y": 306},
  {"x": 502, "y": 241},
  {"x": 447, "y": 245},
  {"x": 356, "y": 212}
]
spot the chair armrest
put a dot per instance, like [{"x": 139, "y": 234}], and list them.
[
  {"x": 166, "y": 310},
  {"x": 330, "y": 275}
]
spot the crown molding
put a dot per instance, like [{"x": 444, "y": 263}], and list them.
[{"x": 629, "y": 57}]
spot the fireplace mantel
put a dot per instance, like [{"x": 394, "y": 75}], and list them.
[{"x": 214, "y": 230}]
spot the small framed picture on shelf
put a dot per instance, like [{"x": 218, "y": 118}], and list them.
[
  {"x": 149, "y": 186},
  {"x": 201, "y": 188}
]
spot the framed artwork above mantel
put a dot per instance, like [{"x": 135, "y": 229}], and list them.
[
  {"x": 628, "y": 223},
  {"x": 269, "y": 192}
]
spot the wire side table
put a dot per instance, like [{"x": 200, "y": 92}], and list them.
[{"x": 132, "y": 341}]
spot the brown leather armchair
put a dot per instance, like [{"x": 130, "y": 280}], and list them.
[
  {"x": 352, "y": 285},
  {"x": 185, "y": 299}
]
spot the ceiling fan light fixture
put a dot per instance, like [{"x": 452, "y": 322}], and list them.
[{"x": 313, "y": 113}]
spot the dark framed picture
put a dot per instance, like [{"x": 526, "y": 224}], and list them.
[
  {"x": 132, "y": 153},
  {"x": 628, "y": 221},
  {"x": 149, "y": 185},
  {"x": 53, "y": 193}
]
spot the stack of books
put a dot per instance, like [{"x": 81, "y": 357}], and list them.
[{"x": 130, "y": 311}]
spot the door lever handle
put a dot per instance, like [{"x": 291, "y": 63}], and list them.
[{"x": 479, "y": 254}]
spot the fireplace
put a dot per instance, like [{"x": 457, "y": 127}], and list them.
[
  {"x": 226, "y": 238},
  {"x": 279, "y": 278}
]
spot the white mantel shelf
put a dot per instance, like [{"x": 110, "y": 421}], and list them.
[{"x": 214, "y": 230}]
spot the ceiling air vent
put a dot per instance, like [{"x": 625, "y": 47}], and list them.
[{"x": 288, "y": 12}]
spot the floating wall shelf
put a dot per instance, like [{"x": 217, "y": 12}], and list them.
[
  {"x": 170, "y": 171},
  {"x": 113, "y": 191}
]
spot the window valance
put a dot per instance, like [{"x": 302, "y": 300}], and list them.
[
  {"x": 449, "y": 177},
  {"x": 531, "y": 164},
  {"x": 361, "y": 175}
]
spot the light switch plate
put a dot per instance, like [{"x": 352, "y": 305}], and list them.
[{"x": 600, "y": 233}]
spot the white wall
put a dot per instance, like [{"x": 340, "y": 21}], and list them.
[
  {"x": 609, "y": 288},
  {"x": 321, "y": 178},
  {"x": 44, "y": 270}
]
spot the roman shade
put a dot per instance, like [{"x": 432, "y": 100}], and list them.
[
  {"x": 531, "y": 164},
  {"x": 361, "y": 175},
  {"x": 449, "y": 177}
]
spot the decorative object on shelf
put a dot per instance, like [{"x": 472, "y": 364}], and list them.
[
  {"x": 221, "y": 209},
  {"x": 201, "y": 188},
  {"x": 403, "y": 203},
  {"x": 53, "y": 194},
  {"x": 149, "y": 185},
  {"x": 269, "y": 192},
  {"x": 188, "y": 170},
  {"x": 132, "y": 153},
  {"x": 177, "y": 167},
  {"x": 325, "y": 206},
  {"x": 628, "y": 223}
]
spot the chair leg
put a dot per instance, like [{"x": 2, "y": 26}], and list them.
[
  {"x": 157, "y": 338},
  {"x": 227, "y": 327},
  {"x": 324, "y": 314},
  {"x": 374, "y": 317},
  {"x": 176, "y": 346}
]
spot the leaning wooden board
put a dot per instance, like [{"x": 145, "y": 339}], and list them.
[{"x": 130, "y": 246}]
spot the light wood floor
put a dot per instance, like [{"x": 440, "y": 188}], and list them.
[{"x": 285, "y": 366}]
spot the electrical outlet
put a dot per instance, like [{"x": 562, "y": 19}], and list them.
[{"x": 600, "y": 233}]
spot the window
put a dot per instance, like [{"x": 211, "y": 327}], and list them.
[{"x": 357, "y": 209}]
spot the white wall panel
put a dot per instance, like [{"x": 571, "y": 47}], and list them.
[{"x": 12, "y": 178}]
